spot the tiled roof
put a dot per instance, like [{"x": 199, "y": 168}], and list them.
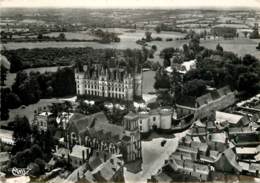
[
  {"x": 231, "y": 157},
  {"x": 231, "y": 118},
  {"x": 107, "y": 169}
]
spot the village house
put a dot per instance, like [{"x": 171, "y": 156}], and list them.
[
  {"x": 224, "y": 120},
  {"x": 5, "y": 67},
  {"x": 111, "y": 170},
  {"x": 79, "y": 155},
  {"x": 42, "y": 120},
  {"x": 4, "y": 159},
  {"x": 215, "y": 100},
  {"x": 6, "y": 137}
]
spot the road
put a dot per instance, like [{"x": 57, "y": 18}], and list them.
[{"x": 154, "y": 157}]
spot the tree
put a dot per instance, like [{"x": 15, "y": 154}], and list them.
[
  {"x": 249, "y": 60},
  {"x": 162, "y": 80},
  {"x": 22, "y": 134},
  {"x": 166, "y": 63},
  {"x": 40, "y": 36},
  {"x": 219, "y": 48},
  {"x": 194, "y": 88},
  {"x": 158, "y": 29},
  {"x": 148, "y": 36},
  {"x": 154, "y": 47},
  {"x": 13, "y": 101},
  {"x": 3, "y": 75},
  {"x": 62, "y": 36},
  {"x": 248, "y": 82}
]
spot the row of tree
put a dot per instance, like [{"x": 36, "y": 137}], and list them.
[
  {"x": 29, "y": 89},
  {"x": 30, "y": 58}
]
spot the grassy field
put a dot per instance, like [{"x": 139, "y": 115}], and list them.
[{"x": 239, "y": 46}]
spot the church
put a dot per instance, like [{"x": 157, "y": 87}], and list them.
[{"x": 117, "y": 83}]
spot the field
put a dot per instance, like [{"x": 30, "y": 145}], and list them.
[{"x": 239, "y": 46}]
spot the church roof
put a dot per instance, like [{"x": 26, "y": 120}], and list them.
[{"x": 96, "y": 124}]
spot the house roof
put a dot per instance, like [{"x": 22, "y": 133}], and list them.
[
  {"x": 62, "y": 151},
  {"x": 204, "y": 99},
  {"x": 201, "y": 146},
  {"x": 231, "y": 118},
  {"x": 94, "y": 162},
  {"x": 246, "y": 150},
  {"x": 77, "y": 151},
  {"x": 188, "y": 65},
  {"x": 107, "y": 170},
  {"x": 4, "y": 62},
  {"x": 219, "y": 137},
  {"x": 89, "y": 177},
  {"x": 231, "y": 158},
  {"x": 4, "y": 157},
  {"x": 257, "y": 157},
  {"x": 6, "y": 136},
  {"x": 162, "y": 177}
]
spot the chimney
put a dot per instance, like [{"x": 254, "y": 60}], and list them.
[
  {"x": 105, "y": 157},
  {"x": 112, "y": 161},
  {"x": 83, "y": 155}
]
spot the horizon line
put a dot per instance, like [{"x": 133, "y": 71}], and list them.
[{"x": 138, "y": 7}]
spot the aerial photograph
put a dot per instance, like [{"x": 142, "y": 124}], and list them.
[{"x": 130, "y": 91}]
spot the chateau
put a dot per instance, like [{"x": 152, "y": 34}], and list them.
[{"x": 96, "y": 80}]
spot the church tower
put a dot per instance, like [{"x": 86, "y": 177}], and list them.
[{"x": 131, "y": 141}]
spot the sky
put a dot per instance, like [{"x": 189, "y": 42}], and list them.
[{"x": 131, "y": 3}]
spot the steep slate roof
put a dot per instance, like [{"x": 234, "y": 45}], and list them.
[{"x": 96, "y": 125}]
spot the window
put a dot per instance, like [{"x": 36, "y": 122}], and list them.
[
  {"x": 154, "y": 118},
  {"x": 141, "y": 128},
  {"x": 140, "y": 121}
]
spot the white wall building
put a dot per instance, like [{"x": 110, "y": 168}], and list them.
[{"x": 155, "y": 119}]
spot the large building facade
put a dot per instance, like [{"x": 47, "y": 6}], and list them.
[{"x": 116, "y": 83}]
